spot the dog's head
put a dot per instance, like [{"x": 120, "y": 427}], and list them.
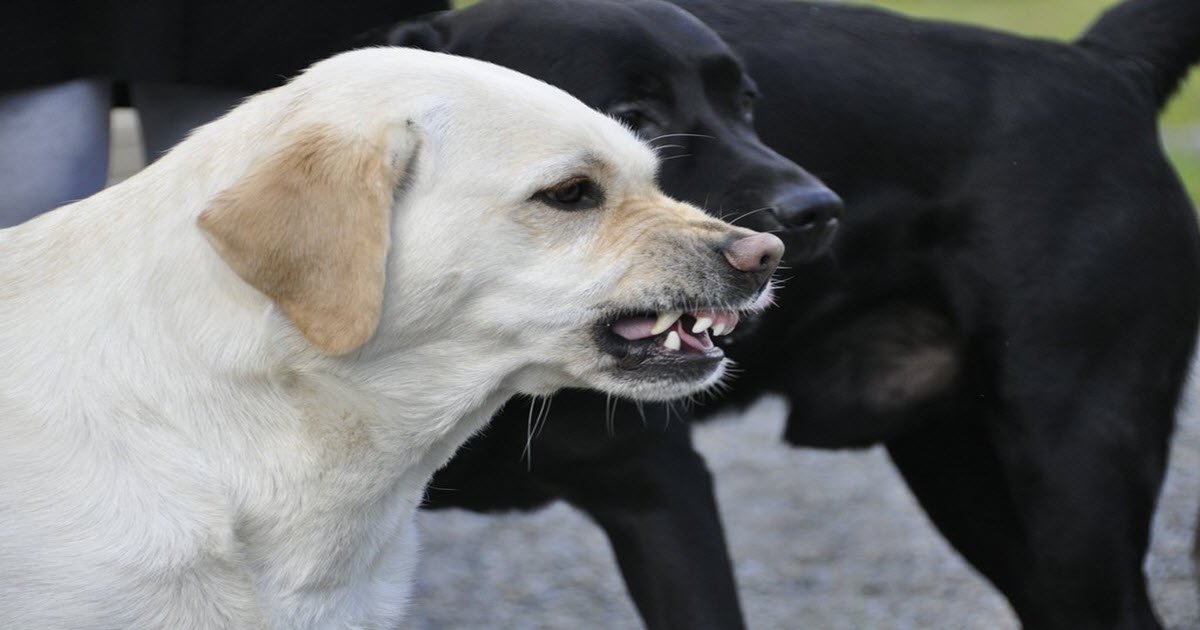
[
  {"x": 408, "y": 200},
  {"x": 665, "y": 75}
]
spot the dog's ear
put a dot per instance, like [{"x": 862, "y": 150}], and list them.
[
  {"x": 309, "y": 227},
  {"x": 422, "y": 33},
  {"x": 426, "y": 33}
]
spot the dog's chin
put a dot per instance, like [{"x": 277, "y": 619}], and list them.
[{"x": 663, "y": 379}]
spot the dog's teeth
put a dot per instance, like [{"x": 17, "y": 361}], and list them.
[
  {"x": 718, "y": 329},
  {"x": 665, "y": 320},
  {"x": 702, "y": 324},
  {"x": 672, "y": 342}
]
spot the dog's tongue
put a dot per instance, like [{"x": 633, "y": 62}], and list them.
[
  {"x": 699, "y": 343},
  {"x": 634, "y": 328}
]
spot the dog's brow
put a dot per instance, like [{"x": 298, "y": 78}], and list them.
[
  {"x": 588, "y": 162},
  {"x": 597, "y": 163}
]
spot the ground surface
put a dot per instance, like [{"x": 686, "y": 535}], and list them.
[{"x": 823, "y": 540}]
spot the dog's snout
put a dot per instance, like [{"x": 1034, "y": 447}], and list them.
[
  {"x": 810, "y": 216},
  {"x": 807, "y": 208},
  {"x": 757, "y": 254}
]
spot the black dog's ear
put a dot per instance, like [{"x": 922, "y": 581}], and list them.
[{"x": 421, "y": 33}]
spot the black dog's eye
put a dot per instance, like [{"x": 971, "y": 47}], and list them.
[
  {"x": 577, "y": 193},
  {"x": 638, "y": 118},
  {"x": 631, "y": 118},
  {"x": 746, "y": 104}
]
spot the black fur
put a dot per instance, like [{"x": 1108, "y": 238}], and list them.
[
  {"x": 1010, "y": 308},
  {"x": 1013, "y": 305}
]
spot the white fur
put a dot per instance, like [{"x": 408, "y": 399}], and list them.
[{"x": 174, "y": 454}]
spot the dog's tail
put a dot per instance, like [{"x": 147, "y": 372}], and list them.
[{"x": 1154, "y": 41}]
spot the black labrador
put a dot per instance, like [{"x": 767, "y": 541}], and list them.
[
  {"x": 1011, "y": 307},
  {"x": 1014, "y": 303}
]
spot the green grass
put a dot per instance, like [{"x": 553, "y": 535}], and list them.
[{"x": 1064, "y": 19}]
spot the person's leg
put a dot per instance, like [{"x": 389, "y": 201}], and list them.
[
  {"x": 53, "y": 146},
  {"x": 168, "y": 111}
]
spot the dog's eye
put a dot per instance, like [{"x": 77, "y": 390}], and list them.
[
  {"x": 577, "y": 193},
  {"x": 632, "y": 118},
  {"x": 636, "y": 117},
  {"x": 746, "y": 104}
]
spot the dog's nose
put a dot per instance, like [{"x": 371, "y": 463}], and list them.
[
  {"x": 807, "y": 208},
  {"x": 757, "y": 254},
  {"x": 810, "y": 216}
]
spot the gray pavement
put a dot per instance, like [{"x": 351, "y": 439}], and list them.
[{"x": 822, "y": 540}]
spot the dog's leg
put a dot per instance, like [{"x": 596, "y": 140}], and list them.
[
  {"x": 640, "y": 480},
  {"x": 954, "y": 473},
  {"x": 1062, "y": 534},
  {"x": 655, "y": 501}
]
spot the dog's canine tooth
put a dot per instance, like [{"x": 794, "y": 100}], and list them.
[
  {"x": 672, "y": 342},
  {"x": 702, "y": 324},
  {"x": 665, "y": 320}
]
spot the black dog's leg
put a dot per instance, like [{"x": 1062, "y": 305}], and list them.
[
  {"x": 671, "y": 549},
  {"x": 955, "y": 475},
  {"x": 635, "y": 473},
  {"x": 1085, "y": 483},
  {"x": 1061, "y": 534}
]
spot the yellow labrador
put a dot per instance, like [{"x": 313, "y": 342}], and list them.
[{"x": 227, "y": 380}]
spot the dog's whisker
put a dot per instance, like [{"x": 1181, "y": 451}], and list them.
[
  {"x": 746, "y": 214},
  {"x": 527, "y": 454},
  {"x": 543, "y": 415},
  {"x": 609, "y": 414},
  {"x": 683, "y": 135}
]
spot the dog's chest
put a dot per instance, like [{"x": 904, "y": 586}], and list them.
[{"x": 328, "y": 539}]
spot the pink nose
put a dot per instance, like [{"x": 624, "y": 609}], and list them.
[{"x": 758, "y": 254}]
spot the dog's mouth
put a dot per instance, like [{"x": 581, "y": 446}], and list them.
[
  {"x": 671, "y": 332},
  {"x": 672, "y": 345}
]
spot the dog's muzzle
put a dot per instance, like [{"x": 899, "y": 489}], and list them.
[
  {"x": 809, "y": 216},
  {"x": 676, "y": 343}
]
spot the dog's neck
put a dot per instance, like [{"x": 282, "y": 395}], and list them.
[{"x": 344, "y": 446}]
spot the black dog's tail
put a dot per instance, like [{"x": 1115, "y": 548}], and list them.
[{"x": 1155, "y": 41}]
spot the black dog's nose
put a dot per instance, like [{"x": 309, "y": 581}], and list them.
[
  {"x": 810, "y": 207},
  {"x": 810, "y": 217}
]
